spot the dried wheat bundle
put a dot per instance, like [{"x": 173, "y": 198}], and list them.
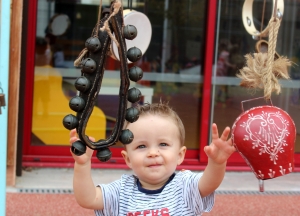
[
  {"x": 255, "y": 73},
  {"x": 263, "y": 70}
]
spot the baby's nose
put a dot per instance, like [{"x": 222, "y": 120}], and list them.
[{"x": 153, "y": 152}]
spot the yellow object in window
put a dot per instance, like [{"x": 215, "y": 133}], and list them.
[{"x": 50, "y": 105}]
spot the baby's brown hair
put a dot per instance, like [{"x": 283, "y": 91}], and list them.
[{"x": 162, "y": 109}]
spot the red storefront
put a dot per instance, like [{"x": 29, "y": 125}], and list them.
[{"x": 179, "y": 67}]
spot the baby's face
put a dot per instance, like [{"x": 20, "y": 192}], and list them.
[{"x": 155, "y": 150}]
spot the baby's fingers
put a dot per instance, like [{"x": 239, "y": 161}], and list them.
[
  {"x": 73, "y": 139},
  {"x": 73, "y": 136},
  {"x": 214, "y": 131},
  {"x": 208, "y": 151},
  {"x": 73, "y": 133},
  {"x": 92, "y": 139},
  {"x": 225, "y": 134}
]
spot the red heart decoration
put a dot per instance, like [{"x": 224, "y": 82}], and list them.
[{"x": 265, "y": 136}]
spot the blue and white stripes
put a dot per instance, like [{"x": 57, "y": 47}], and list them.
[{"x": 179, "y": 197}]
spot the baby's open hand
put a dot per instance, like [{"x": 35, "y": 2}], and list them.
[
  {"x": 220, "y": 148},
  {"x": 82, "y": 159}
]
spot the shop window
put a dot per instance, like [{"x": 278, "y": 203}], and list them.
[
  {"x": 234, "y": 43},
  {"x": 172, "y": 65}
]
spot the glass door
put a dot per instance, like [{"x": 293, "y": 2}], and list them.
[
  {"x": 234, "y": 43},
  {"x": 173, "y": 68}
]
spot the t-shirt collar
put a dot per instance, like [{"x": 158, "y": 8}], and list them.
[{"x": 146, "y": 191}]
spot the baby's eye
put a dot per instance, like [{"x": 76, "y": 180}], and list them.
[
  {"x": 163, "y": 144},
  {"x": 141, "y": 146}
]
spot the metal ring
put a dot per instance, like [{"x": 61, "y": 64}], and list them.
[{"x": 247, "y": 17}]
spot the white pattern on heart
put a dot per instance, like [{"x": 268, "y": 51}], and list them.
[
  {"x": 282, "y": 171},
  {"x": 260, "y": 175},
  {"x": 271, "y": 173},
  {"x": 270, "y": 138}
]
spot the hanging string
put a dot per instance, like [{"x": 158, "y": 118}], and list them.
[
  {"x": 116, "y": 6},
  {"x": 99, "y": 18},
  {"x": 80, "y": 57},
  {"x": 270, "y": 81},
  {"x": 262, "y": 18},
  {"x": 262, "y": 70},
  {"x": 94, "y": 34},
  {"x": 130, "y": 4},
  {"x": 275, "y": 10}
]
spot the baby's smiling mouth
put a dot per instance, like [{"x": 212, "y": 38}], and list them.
[{"x": 154, "y": 165}]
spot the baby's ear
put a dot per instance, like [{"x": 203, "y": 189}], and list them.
[
  {"x": 126, "y": 158},
  {"x": 181, "y": 155}
]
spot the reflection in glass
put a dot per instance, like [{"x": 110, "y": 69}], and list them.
[
  {"x": 172, "y": 64},
  {"x": 239, "y": 43}
]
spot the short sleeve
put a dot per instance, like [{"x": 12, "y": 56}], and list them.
[
  {"x": 192, "y": 195},
  {"x": 111, "y": 196}
]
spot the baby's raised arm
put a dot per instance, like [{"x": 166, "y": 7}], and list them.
[
  {"x": 86, "y": 194},
  {"x": 218, "y": 152}
]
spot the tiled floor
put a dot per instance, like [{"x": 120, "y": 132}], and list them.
[
  {"x": 237, "y": 195},
  {"x": 225, "y": 205},
  {"x": 61, "y": 178}
]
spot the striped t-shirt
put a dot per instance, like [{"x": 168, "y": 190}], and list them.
[{"x": 180, "y": 196}]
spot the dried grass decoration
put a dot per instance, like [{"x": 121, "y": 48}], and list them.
[{"x": 263, "y": 69}]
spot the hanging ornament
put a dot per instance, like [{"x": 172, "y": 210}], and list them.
[
  {"x": 265, "y": 135},
  {"x": 110, "y": 30}
]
